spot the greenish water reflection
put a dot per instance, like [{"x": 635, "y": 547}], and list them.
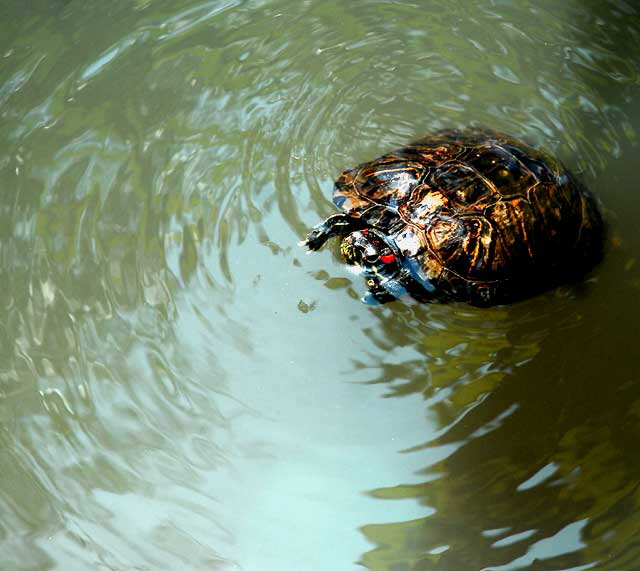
[
  {"x": 181, "y": 388},
  {"x": 539, "y": 471}
]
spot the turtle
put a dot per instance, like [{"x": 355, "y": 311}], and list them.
[{"x": 467, "y": 215}]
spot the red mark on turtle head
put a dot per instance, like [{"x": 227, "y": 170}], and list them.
[{"x": 388, "y": 259}]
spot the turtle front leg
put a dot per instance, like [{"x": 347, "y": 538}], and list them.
[
  {"x": 377, "y": 294},
  {"x": 336, "y": 225}
]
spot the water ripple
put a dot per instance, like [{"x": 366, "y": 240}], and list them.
[{"x": 160, "y": 162}]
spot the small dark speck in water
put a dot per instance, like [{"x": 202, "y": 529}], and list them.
[{"x": 306, "y": 307}]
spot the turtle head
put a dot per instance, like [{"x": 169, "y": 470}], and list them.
[{"x": 369, "y": 252}]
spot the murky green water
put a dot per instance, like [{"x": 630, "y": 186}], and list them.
[{"x": 181, "y": 388}]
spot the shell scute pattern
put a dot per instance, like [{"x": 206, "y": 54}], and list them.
[
  {"x": 501, "y": 169},
  {"x": 517, "y": 232},
  {"x": 389, "y": 182},
  {"x": 463, "y": 245},
  {"x": 464, "y": 187}
]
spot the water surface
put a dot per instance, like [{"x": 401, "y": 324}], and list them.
[{"x": 182, "y": 388}]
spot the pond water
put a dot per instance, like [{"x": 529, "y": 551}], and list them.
[{"x": 181, "y": 388}]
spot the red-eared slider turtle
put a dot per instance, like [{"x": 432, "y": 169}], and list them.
[{"x": 465, "y": 215}]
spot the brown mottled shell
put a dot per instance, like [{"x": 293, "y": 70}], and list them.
[{"x": 486, "y": 218}]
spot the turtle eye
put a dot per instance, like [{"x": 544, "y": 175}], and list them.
[{"x": 371, "y": 255}]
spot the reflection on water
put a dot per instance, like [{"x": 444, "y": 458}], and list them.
[
  {"x": 181, "y": 388},
  {"x": 538, "y": 468}
]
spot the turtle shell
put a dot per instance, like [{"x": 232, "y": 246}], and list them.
[{"x": 483, "y": 218}]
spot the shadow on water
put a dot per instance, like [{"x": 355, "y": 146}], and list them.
[{"x": 538, "y": 426}]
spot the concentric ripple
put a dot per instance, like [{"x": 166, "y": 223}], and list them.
[{"x": 180, "y": 388}]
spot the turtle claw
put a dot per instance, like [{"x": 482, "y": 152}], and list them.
[
  {"x": 305, "y": 244},
  {"x": 315, "y": 240}
]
